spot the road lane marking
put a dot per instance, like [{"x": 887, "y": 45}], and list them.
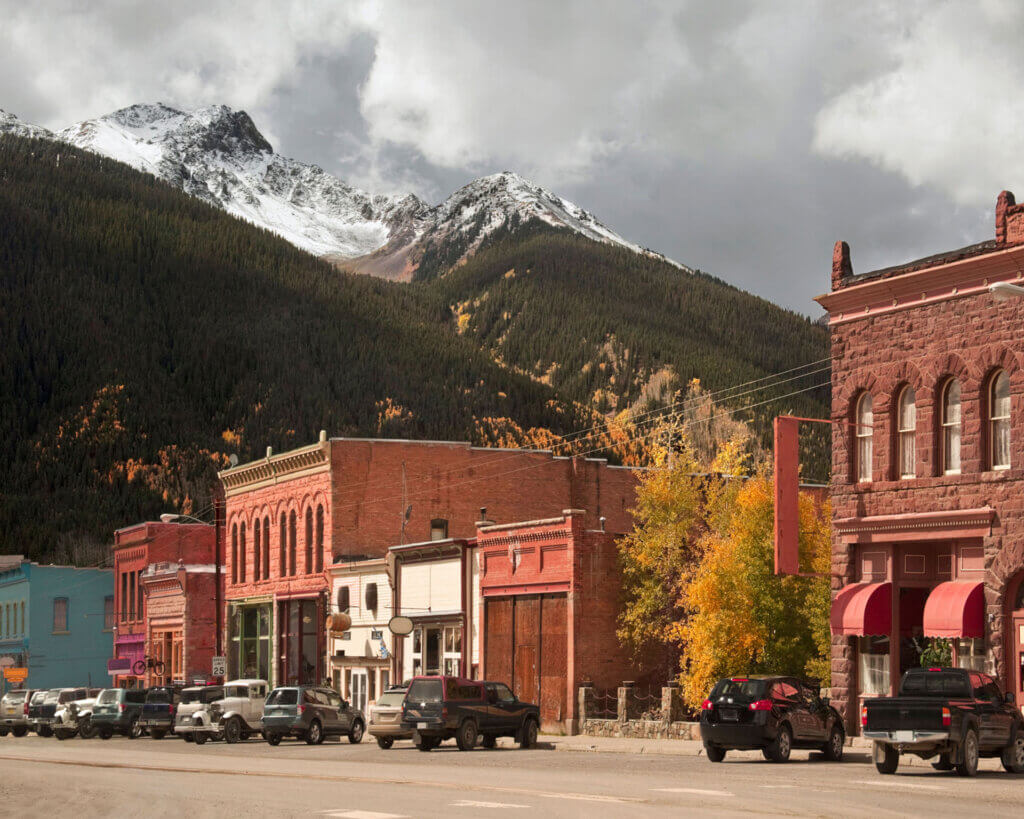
[
  {"x": 900, "y": 783},
  {"x": 778, "y": 786},
  {"x": 367, "y": 780},
  {"x": 469, "y": 803},
  {"x": 694, "y": 791},
  {"x": 361, "y": 814}
]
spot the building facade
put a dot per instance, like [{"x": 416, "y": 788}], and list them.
[
  {"x": 360, "y": 658},
  {"x": 57, "y": 624},
  {"x": 290, "y": 516},
  {"x": 928, "y": 463},
  {"x": 181, "y": 626},
  {"x": 137, "y": 642}
]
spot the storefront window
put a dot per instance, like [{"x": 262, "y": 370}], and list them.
[
  {"x": 301, "y": 643},
  {"x": 970, "y": 653},
  {"x": 873, "y": 656},
  {"x": 251, "y": 642}
]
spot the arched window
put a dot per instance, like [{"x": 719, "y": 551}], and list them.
[
  {"x": 951, "y": 427},
  {"x": 282, "y": 545},
  {"x": 291, "y": 542},
  {"x": 907, "y": 427},
  {"x": 999, "y": 420},
  {"x": 234, "y": 553},
  {"x": 319, "y": 539},
  {"x": 863, "y": 431},
  {"x": 309, "y": 540},
  {"x": 241, "y": 553},
  {"x": 266, "y": 548},
  {"x": 257, "y": 556}
]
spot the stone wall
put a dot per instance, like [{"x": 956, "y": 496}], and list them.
[{"x": 635, "y": 718}]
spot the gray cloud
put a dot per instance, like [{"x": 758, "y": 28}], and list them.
[{"x": 739, "y": 137}]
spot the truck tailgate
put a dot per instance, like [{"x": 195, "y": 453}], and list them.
[{"x": 905, "y": 714}]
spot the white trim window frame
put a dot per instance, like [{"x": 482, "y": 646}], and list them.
[
  {"x": 864, "y": 435},
  {"x": 907, "y": 432},
  {"x": 999, "y": 421},
  {"x": 951, "y": 426}
]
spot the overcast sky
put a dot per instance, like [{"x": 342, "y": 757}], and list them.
[{"x": 742, "y": 138}]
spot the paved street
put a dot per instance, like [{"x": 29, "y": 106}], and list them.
[{"x": 46, "y": 777}]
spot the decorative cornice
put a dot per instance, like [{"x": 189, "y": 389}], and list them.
[
  {"x": 269, "y": 471},
  {"x": 959, "y": 279},
  {"x": 917, "y": 525}
]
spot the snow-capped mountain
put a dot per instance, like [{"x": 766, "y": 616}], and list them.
[{"x": 218, "y": 155}]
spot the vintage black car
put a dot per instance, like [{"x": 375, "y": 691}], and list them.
[
  {"x": 953, "y": 714},
  {"x": 438, "y": 708},
  {"x": 770, "y": 714}
]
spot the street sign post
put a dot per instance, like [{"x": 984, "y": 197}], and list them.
[{"x": 220, "y": 667}]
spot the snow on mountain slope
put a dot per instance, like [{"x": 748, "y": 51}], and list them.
[
  {"x": 10, "y": 124},
  {"x": 218, "y": 155}
]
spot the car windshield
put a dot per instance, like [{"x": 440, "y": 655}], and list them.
[
  {"x": 159, "y": 695},
  {"x": 283, "y": 696},
  {"x": 108, "y": 696},
  {"x": 192, "y": 695},
  {"x": 52, "y": 697},
  {"x": 425, "y": 691},
  {"x": 14, "y": 696},
  {"x": 392, "y": 699},
  {"x": 39, "y": 697},
  {"x": 935, "y": 684},
  {"x": 741, "y": 688}
]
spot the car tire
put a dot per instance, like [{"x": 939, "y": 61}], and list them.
[
  {"x": 424, "y": 743},
  {"x": 528, "y": 737},
  {"x": 86, "y": 729},
  {"x": 355, "y": 736},
  {"x": 385, "y": 743},
  {"x": 315, "y": 733},
  {"x": 887, "y": 758},
  {"x": 233, "y": 731},
  {"x": 714, "y": 753},
  {"x": 106, "y": 733},
  {"x": 489, "y": 741},
  {"x": 20, "y": 731},
  {"x": 199, "y": 739},
  {"x": 968, "y": 765},
  {"x": 157, "y": 733},
  {"x": 188, "y": 737},
  {"x": 272, "y": 738},
  {"x": 782, "y": 746},
  {"x": 61, "y": 734},
  {"x": 134, "y": 729},
  {"x": 1012, "y": 756},
  {"x": 943, "y": 763},
  {"x": 833, "y": 749},
  {"x": 467, "y": 735},
  {"x": 45, "y": 731},
  {"x": 3, "y": 732}
]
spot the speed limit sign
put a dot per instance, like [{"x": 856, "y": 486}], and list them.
[{"x": 220, "y": 667}]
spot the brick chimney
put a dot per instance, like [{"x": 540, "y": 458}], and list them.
[
  {"x": 841, "y": 266},
  {"x": 1004, "y": 205}
]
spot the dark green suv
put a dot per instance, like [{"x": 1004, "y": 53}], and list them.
[
  {"x": 117, "y": 711},
  {"x": 310, "y": 713}
]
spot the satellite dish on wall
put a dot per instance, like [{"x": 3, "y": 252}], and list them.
[{"x": 400, "y": 625}]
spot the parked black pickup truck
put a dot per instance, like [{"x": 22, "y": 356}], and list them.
[{"x": 954, "y": 714}]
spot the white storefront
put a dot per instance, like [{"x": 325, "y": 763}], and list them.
[{"x": 360, "y": 659}]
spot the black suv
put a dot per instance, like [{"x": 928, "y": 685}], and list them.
[
  {"x": 438, "y": 708},
  {"x": 772, "y": 714},
  {"x": 159, "y": 710}
]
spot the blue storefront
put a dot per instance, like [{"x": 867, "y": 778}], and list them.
[{"x": 57, "y": 622}]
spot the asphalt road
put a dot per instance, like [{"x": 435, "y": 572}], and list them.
[{"x": 156, "y": 778}]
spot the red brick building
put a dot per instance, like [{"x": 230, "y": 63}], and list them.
[
  {"x": 289, "y": 515},
  {"x": 550, "y": 598},
  {"x": 928, "y": 462},
  {"x": 137, "y": 550}
]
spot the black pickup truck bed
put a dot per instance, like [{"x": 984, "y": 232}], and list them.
[{"x": 954, "y": 714}]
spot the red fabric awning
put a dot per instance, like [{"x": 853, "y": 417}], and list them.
[
  {"x": 955, "y": 610},
  {"x": 862, "y": 609}
]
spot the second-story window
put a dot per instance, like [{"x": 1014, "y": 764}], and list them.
[
  {"x": 864, "y": 432},
  {"x": 241, "y": 553},
  {"x": 439, "y": 529},
  {"x": 907, "y": 433},
  {"x": 266, "y": 548},
  {"x": 292, "y": 527},
  {"x": 309, "y": 540},
  {"x": 108, "y": 613},
  {"x": 999, "y": 421},
  {"x": 282, "y": 546},
  {"x": 60, "y": 614},
  {"x": 257, "y": 557},
  {"x": 234, "y": 553},
  {"x": 319, "y": 567},
  {"x": 951, "y": 427}
]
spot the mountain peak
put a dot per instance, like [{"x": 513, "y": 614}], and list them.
[{"x": 10, "y": 124}]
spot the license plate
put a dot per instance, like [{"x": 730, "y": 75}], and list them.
[
  {"x": 904, "y": 736},
  {"x": 730, "y": 715},
  {"x": 421, "y": 726}
]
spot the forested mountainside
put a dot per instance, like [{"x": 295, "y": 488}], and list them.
[{"x": 145, "y": 335}]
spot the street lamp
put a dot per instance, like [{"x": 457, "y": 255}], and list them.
[
  {"x": 1004, "y": 291},
  {"x": 170, "y": 517}
]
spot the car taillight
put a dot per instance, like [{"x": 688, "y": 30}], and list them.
[
  {"x": 444, "y": 712},
  {"x": 707, "y": 705},
  {"x": 302, "y": 710},
  {"x": 26, "y": 709},
  {"x": 120, "y": 707},
  {"x": 864, "y": 717},
  {"x": 935, "y": 669},
  {"x": 947, "y": 718},
  {"x": 761, "y": 705}
]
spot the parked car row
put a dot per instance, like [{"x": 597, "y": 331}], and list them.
[
  {"x": 952, "y": 715},
  {"x": 427, "y": 710}
]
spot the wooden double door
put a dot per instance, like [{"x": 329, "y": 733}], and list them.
[{"x": 526, "y": 645}]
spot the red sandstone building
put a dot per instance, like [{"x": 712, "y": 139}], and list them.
[
  {"x": 290, "y": 515},
  {"x": 165, "y": 602},
  {"x": 928, "y": 463}
]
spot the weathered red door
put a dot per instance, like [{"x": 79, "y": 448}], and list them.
[
  {"x": 526, "y": 673},
  {"x": 498, "y": 639},
  {"x": 553, "y": 652},
  {"x": 527, "y": 639}
]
